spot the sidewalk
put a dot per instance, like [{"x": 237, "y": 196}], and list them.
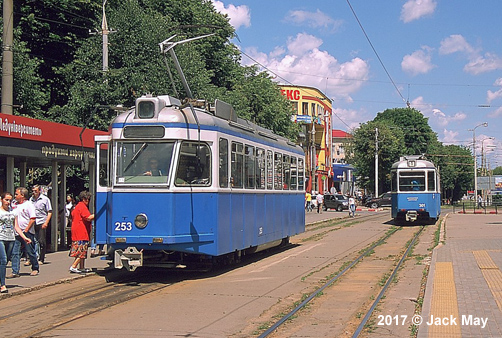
[
  {"x": 464, "y": 288},
  {"x": 53, "y": 271}
]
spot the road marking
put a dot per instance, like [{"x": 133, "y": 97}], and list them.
[
  {"x": 283, "y": 259},
  {"x": 444, "y": 301},
  {"x": 491, "y": 273}
]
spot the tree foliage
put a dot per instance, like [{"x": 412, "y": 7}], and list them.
[
  {"x": 401, "y": 132},
  {"x": 64, "y": 81}
]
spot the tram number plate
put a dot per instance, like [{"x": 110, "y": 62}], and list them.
[
  {"x": 421, "y": 205},
  {"x": 123, "y": 226}
]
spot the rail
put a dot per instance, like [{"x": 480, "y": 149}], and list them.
[{"x": 328, "y": 283}]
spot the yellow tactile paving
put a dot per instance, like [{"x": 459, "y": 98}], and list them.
[
  {"x": 491, "y": 273},
  {"x": 444, "y": 306},
  {"x": 484, "y": 260}
]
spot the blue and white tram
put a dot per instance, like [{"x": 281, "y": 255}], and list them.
[
  {"x": 225, "y": 187},
  {"x": 415, "y": 190}
]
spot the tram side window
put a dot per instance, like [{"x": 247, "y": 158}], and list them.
[
  {"x": 249, "y": 170},
  {"x": 294, "y": 173},
  {"x": 237, "y": 165},
  {"x": 270, "y": 170},
  {"x": 278, "y": 171},
  {"x": 194, "y": 165},
  {"x": 301, "y": 175},
  {"x": 393, "y": 181},
  {"x": 431, "y": 181},
  {"x": 104, "y": 176},
  {"x": 223, "y": 163},
  {"x": 287, "y": 173},
  {"x": 260, "y": 168}
]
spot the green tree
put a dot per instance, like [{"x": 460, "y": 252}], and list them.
[
  {"x": 419, "y": 138},
  {"x": 455, "y": 168},
  {"x": 136, "y": 65},
  {"x": 497, "y": 171},
  {"x": 363, "y": 147}
]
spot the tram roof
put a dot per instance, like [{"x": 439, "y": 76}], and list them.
[
  {"x": 172, "y": 115},
  {"x": 413, "y": 162}
]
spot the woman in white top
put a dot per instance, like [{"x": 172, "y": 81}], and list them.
[{"x": 7, "y": 236}]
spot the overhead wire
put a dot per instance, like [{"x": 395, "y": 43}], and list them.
[{"x": 378, "y": 56}]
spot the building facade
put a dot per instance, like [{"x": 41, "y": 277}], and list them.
[{"x": 313, "y": 112}]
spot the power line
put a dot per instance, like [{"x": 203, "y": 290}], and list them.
[{"x": 378, "y": 56}]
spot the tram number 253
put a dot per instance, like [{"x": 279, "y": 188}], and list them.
[{"x": 123, "y": 226}]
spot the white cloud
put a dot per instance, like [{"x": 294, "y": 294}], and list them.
[
  {"x": 450, "y": 137},
  {"x": 415, "y": 9},
  {"x": 315, "y": 19},
  {"x": 302, "y": 43},
  {"x": 456, "y": 43},
  {"x": 419, "y": 62},
  {"x": 436, "y": 116},
  {"x": 350, "y": 117},
  {"x": 482, "y": 64},
  {"x": 239, "y": 15},
  {"x": 478, "y": 63},
  {"x": 304, "y": 63},
  {"x": 490, "y": 96},
  {"x": 496, "y": 113}
]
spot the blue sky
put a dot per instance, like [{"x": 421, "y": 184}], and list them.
[{"x": 444, "y": 57}]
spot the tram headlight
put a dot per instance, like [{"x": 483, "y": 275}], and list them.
[{"x": 141, "y": 221}]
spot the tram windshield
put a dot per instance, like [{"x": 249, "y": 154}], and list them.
[
  {"x": 411, "y": 181},
  {"x": 143, "y": 162}
]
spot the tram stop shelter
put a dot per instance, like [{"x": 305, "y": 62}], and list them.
[{"x": 30, "y": 143}]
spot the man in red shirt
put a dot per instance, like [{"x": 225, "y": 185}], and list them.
[{"x": 80, "y": 232}]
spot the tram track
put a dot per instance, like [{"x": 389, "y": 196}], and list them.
[
  {"x": 60, "y": 304},
  {"x": 299, "y": 318},
  {"x": 46, "y": 311}
]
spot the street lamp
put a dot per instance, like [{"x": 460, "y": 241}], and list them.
[
  {"x": 483, "y": 153},
  {"x": 484, "y": 124}
]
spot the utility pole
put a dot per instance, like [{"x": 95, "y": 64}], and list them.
[
  {"x": 376, "y": 162},
  {"x": 8, "y": 58},
  {"x": 105, "y": 32}
]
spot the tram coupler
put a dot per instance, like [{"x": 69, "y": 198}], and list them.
[
  {"x": 411, "y": 216},
  {"x": 130, "y": 258}
]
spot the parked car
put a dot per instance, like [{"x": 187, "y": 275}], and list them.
[
  {"x": 337, "y": 202},
  {"x": 384, "y": 200}
]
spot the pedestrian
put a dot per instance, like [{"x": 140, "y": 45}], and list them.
[
  {"x": 43, "y": 210},
  {"x": 352, "y": 206},
  {"x": 70, "y": 204},
  {"x": 25, "y": 217},
  {"x": 8, "y": 233},
  {"x": 80, "y": 232},
  {"x": 308, "y": 201},
  {"x": 480, "y": 202},
  {"x": 320, "y": 200}
]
